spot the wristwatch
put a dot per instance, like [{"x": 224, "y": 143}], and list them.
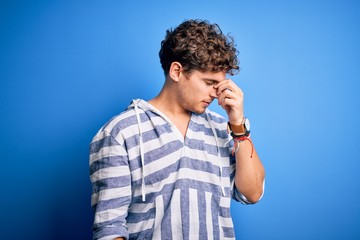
[{"x": 240, "y": 130}]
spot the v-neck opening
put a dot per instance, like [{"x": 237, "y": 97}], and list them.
[
  {"x": 173, "y": 126},
  {"x": 178, "y": 131}
]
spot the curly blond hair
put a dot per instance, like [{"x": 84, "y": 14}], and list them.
[{"x": 199, "y": 45}]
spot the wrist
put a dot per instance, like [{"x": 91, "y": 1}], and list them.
[
  {"x": 239, "y": 130},
  {"x": 239, "y": 139},
  {"x": 237, "y": 122}
]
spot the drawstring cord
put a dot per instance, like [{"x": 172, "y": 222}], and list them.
[
  {"x": 141, "y": 151},
  {"x": 218, "y": 152}
]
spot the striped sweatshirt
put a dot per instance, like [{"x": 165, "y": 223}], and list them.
[{"x": 151, "y": 182}]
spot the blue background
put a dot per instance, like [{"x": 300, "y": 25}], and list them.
[{"x": 66, "y": 67}]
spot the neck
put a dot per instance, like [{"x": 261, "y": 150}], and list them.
[{"x": 167, "y": 103}]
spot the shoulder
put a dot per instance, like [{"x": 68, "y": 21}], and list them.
[{"x": 121, "y": 122}]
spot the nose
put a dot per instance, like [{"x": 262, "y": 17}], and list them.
[{"x": 213, "y": 93}]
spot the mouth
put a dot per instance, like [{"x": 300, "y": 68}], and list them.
[{"x": 207, "y": 103}]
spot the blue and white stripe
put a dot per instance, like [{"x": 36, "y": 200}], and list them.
[{"x": 151, "y": 183}]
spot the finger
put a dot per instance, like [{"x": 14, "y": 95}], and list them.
[
  {"x": 227, "y": 85},
  {"x": 222, "y": 86},
  {"x": 222, "y": 102},
  {"x": 227, "y": 94},
  {"x": 233, "y": 104},
  {"x": 231, "y": 100},
  {"x": 228, "y": 103}
]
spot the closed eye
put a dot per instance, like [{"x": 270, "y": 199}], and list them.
[{"x": 210, "y": 82}]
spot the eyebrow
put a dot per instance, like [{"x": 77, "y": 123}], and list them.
[{"x": 211, "y": 80}]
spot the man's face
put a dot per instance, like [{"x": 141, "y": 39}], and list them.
[{"x": 196, "y": 91}]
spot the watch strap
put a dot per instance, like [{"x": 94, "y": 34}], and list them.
[{"x": 238, "y": 130}]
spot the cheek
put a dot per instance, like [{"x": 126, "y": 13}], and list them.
[
  {"x": 204, "y": 89},
  {"x": 194, "y": 91}
]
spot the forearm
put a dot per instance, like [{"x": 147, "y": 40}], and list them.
[{"x": 250, "y": 173}]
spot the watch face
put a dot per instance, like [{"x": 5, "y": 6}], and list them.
[{"x": 247, "y": 124}]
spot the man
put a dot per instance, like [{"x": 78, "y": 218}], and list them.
[{"x": 168, "y": 168}]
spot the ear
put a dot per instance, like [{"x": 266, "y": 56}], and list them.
[{"x": 175, "y": 71}]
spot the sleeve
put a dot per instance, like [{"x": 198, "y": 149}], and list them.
[{"x": 111, "y": 186}]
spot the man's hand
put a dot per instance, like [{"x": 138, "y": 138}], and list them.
[{"x": 231, "y": 98}]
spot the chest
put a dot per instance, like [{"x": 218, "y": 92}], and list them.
[{"x": 171, "y": 158}]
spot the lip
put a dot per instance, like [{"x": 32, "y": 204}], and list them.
[{"x": 206, "y": 103}]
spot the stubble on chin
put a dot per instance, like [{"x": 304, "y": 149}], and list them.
[{"x": 199, "y": 110}]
